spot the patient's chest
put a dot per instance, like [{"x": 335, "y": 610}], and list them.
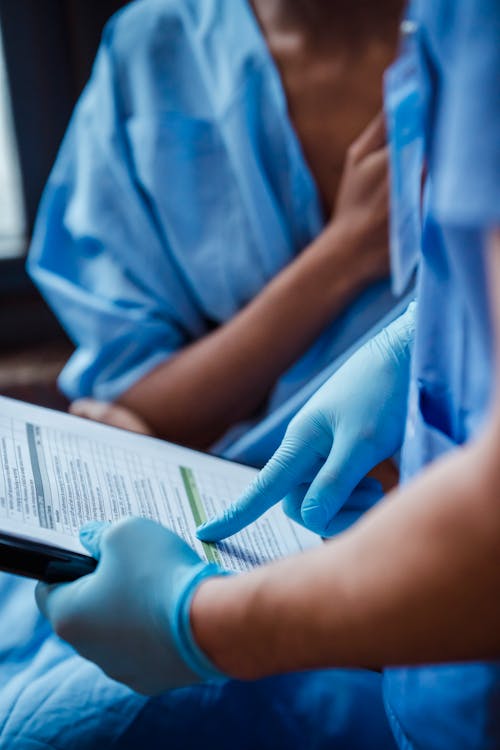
[{"x": 333, "y": 85}]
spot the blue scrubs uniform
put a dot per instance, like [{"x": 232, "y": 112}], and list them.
[
  {"x": 179, "y": 192},
  {"x": 457, "y": 59}
]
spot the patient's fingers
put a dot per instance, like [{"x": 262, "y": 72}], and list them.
[
  {"x": 89, "y": 408},
  {"x": 373, "y": 138},
  {"x": 377, "y": 163},
  {"x": 114, "y": 415}
]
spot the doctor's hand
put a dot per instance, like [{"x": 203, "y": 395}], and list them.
[
  {"x": 131, "y": 616},
  {"x": 355, "y": 421}
]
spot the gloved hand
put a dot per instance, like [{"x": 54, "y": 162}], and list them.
[
  {"x": 131, "y": 616},
  {"x": 355, "y": 421}
]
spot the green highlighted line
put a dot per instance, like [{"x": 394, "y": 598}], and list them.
[{"x": 197, "y": 510}]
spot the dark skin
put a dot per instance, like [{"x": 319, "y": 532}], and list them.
[{"x": 331, "y": 57}]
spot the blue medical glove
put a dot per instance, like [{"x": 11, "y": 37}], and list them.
[
  {"x": 355, "y": 421},
  {"x": 131, "y": 616}
]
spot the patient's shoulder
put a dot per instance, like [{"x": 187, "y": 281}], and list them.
[
  {"x": 181, "y": 55},
  {"x": 140, "y": 26}
]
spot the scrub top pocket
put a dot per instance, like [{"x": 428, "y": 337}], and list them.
[{"x": 426, "y": 438}]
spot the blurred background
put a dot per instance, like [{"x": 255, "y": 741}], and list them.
[{"x": 46, "y": 52}]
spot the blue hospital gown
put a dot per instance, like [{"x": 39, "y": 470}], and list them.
[{"x": 179, "y": 192}]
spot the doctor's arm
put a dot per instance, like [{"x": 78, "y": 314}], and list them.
[{"x": 416, "y": 580}]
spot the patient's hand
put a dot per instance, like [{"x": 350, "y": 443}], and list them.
[
  {"x": 111, "y": 414},
  {"x": 363, "y": 198}
]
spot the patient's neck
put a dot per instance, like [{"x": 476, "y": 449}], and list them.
[
  {"x": 331, "y": 55},
  {"x": 331, "y": 21}
]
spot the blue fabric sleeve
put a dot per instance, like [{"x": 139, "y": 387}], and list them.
[
  {"x": 467, "y": 146},
  {"x": 99, "y": 254}
]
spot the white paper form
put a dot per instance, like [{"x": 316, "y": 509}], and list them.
[{"x": 58, "y": 471}]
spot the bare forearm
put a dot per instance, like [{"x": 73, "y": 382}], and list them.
[
  {"x": 196, "y": 395},
  {"x": 416, "y": 581}
]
